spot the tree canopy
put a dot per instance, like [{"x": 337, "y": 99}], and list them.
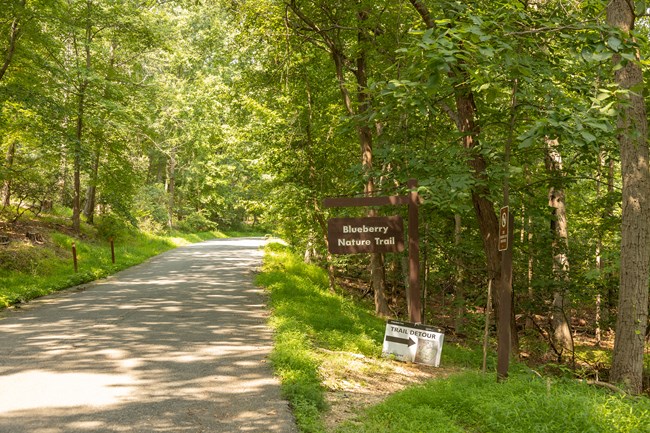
[{"x": 196, "y": 114}]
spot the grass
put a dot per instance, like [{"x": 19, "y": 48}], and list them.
[
  {"x": 28, "y": 271},
  {"x": 474, "y": 402},
  {"x": 307, "y": 317}
]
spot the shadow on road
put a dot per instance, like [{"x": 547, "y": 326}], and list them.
[{"x": 178, "y": 344}]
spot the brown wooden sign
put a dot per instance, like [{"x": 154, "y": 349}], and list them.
[
  {"x": 503, "y": 228},
  {"x": 365, "y": 235},
  {"x": 413, "y": 202}
]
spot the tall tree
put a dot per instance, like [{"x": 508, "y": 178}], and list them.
[
  {"x": 8, "y": 51},
  {"x": 332, "y": 36},
  {"x": 14, "y": 33},
  {"x": 632, "y": 319},
  {"x": 465, "y": 117},
  {"x": 560, "y": 323}
]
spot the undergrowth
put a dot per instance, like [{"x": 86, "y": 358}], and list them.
[{"x": 307, "y": 317}]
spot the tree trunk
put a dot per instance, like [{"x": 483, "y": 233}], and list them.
[
  {"x": 378, "y": 273},
  {"x": 465, "y": 118},
  {"x": 336, "y": 50},
  {"x": 76, "y": 197},
  {"x": 601, "y": 313},
  {"x": 171, "y": 188},
  {"x": 6, "y": 185},
  {"x": 91, "y": 191},
  {"x": 459, "y": 278},
  {"x": 14, "y": 34},
  {"x": 531, "y": 271},
  {"x": 632, "y": 319},
  {"x": 81, "y": 101},
  {"x": 560, "y": 322}
]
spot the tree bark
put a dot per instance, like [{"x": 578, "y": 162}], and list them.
[
  {"x": 603, "y": 308},
  {"x": 83, "y": 83},
  {"x": 171, "y": 187},
  {"x": 632, "y": 318},
  {"x": 465, "y": 118},
  {"x": 560, "y": 322},
  {"x": 336, "y": 50},
  {"x": 14, "y": 34},
  {"x": 6, "y": 185},
  {"x": 459, "y": 278},
  {"x": 377, "y": 271},
  {"x": 76, "y": 197},
  {"x": 91, "y": 191}
]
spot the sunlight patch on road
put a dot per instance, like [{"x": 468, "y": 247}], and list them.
[{"x": 46, "y": 389}]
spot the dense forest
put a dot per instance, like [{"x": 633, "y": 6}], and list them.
[{"x": 198, "y": 114}]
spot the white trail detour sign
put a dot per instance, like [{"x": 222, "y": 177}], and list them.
[{"x": 411, "y": 342}]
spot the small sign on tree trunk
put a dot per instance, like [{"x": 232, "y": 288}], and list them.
[{"x": 504, "y": 219}]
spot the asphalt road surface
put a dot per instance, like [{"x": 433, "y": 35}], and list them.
[{"x": 177, "y": 344}]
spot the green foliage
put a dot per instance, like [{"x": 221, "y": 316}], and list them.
[
  {"x": 112, "y": 226},
  {"x": 307, "y": 317},
  {"x": 196, "y": 115},
  {"x": 475, "y": 402},
  {"x": 150, "y": 208},
  {"x": 196, "y": 222}
]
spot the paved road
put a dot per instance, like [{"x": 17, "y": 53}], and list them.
[{"x": 177, "y": 344}]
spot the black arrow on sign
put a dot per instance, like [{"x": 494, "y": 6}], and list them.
[{"x": 408, "y": 341}]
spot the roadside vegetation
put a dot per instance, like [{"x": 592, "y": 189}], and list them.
[
  {"x": 33, "y": 268},
  {"x": 474, "y": 402},
  {"x": 321, "y": 334}
]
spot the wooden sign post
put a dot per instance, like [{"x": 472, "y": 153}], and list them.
[{"x": 381, "y": 234}]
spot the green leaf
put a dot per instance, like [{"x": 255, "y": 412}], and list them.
[
  {"x": 527, "y": 142},
  {"x": 588, "y": 136},
  {"x": 603, "y": 95},
  {"x": 640, "y": 7},
  {"x": 486, "y": 51},
  {"x": 614, "y": 43}
]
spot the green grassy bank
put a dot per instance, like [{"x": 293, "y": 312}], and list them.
[
  {"x": 307, "y": 318},
  {"x": 474, "y": 402},
  {"x": 305, "y": 315},
  {"x": 32, "y": 269}
]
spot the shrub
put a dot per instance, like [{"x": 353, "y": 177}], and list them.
[
  {"x": 111, "y": 226},
  {"x": 196, "y": 222}
]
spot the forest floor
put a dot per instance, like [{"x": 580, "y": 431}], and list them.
[{"x": 354, "y": 382}]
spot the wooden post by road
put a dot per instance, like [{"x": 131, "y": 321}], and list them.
[
  {"x": 74, "y": 257},
  {"x": 415, "y": 304}
]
